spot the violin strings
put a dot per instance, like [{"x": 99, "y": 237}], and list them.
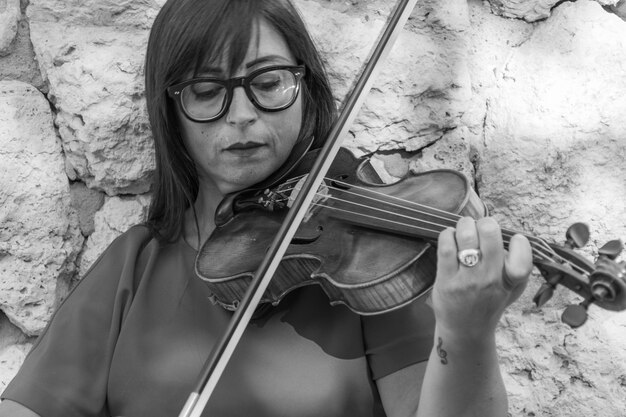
[
  {"x": 535, "y": 242},
  {"x": 541, "y": 250},
  {"x": 402, "y": 203},
  {"x": 437, "y": 227},
  {"x": 447, "y": 216},
  {"x": 442, "y": 213},
  {"x": 538, "y": 252},
  {"x": 405, "y": 204},
  {"x": 450, "y": 217}
]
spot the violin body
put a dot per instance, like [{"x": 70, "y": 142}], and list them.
[{"x": 361, "y": 240}]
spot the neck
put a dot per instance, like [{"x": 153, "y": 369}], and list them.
[{"x": 198, "y": 228}]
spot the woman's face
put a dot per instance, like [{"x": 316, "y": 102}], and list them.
[{"x": 245, "y": 145}]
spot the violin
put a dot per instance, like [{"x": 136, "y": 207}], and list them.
[{"x": 370, "y": 245}]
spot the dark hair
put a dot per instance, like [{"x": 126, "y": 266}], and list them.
[{"x": 185, "y": 35}]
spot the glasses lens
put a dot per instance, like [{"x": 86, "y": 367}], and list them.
[
  {"x": 274, "y": 89},
  {"x": 203, "y": 100}
]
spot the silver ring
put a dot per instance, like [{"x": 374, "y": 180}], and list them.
[{"x": 468, "y": 257}]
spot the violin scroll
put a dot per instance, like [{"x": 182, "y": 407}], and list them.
[{"x": 602, "y": 283}]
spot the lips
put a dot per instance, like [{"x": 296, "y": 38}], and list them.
[{"x": 239, "y": 146}]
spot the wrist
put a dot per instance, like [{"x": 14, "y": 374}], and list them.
[{"x": 465, "y": 338}]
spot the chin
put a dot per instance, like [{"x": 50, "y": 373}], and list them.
[
  {"x": 240, "y": 185},
  {"x": 242, "y": 177}
]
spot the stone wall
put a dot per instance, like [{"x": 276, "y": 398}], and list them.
[{"x": 526, "y": 97}]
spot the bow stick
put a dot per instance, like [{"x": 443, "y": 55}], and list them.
[{"x": 223, "y": 350}]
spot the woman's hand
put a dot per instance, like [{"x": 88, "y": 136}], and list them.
[{"x": 468, "y": 301}]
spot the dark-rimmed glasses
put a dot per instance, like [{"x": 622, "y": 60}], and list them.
[{"x": 269, "y": 89}]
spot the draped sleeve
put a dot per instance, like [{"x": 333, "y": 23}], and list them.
[
  {"x": 66, "y": 372},
  {"x": 399, "y": 338}
]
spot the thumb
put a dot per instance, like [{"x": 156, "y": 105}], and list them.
[{"x": 518, "y": 263}]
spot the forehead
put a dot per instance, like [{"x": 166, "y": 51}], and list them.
[
  {"x": 268, "y": 41},
  {"x": 266, "y": 47}
]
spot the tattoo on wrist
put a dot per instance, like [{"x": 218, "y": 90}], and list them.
[{"x": 443, "y": 355}]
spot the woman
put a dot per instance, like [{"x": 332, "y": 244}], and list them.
[{"x": 132, "y": 336}]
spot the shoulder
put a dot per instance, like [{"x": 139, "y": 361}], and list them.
[
  {"x": 114, "y": 276},
  {"x": 125, "y": 249},
  {"x": 135, "y": 237}
]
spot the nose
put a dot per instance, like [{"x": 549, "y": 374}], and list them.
[{"x": 241, "y": 112}]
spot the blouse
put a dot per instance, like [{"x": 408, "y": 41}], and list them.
[{"x": 132, "y": 336}]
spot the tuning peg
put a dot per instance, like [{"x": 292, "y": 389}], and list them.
[
  {"x": 577, "y": 235},
  {"x": 575, "y": 315},
  {"x": 544, "y": 293},
  {"x": 611, "y": 249}
]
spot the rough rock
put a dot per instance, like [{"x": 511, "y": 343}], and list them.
[
  {"x": 619, "y": 9},
  {"x": 96, "y": 86},
  {"x": 553, "y": 118},
  {"x": 86, "y": 202},
  {"x": 20, "y": 63},
  {"x": 551, "y": 370},
  {"x": 39, "y": 237},
  {"x": 13, "y": 349},
  {"x": 423, "y": 86},
  {"x": 11, "y": 358},
  {"x": 452, "y": 151},
  {"x": 9, "y": 16},
  {"x": 119, "y": 13},
  {"x": 491, "y": 41},
  {"x": 530, "y": 10},
  {"x": 116, "y": 215},
  {"x": 552, "y": 153}
]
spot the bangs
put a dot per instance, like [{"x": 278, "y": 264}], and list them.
[{"x": 219, "y": 38}]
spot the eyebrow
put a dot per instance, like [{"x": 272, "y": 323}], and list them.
[
  {"x": 261, "y": 60},
  {"x": 267, "y": 58}
]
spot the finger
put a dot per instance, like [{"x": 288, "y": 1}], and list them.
[
  {"x": 466, "y": 234},
  {"x": 517, "y": 263},
  {"x": 490, "y": 237},
  {"x": 447, "y": 264}
]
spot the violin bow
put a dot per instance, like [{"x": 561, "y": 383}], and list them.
[{"x": 224, "y": 348}]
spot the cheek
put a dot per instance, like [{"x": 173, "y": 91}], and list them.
[
  {"x": 197, "y": 143},
  {"x": 291, "y": 125}
]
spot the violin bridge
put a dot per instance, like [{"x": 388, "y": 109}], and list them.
[{"x": 320, "y": 197}]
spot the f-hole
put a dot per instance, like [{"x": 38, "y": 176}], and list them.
[
  {"x": 342, "y": 185},
  {"x": 305, "y": 240}
]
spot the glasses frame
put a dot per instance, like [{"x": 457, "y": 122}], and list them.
[{"x": 175, "y": 91}]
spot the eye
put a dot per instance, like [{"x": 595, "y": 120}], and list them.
[
  {"x": 269, "y": 81},
  {"x": 206, "y": 90}
]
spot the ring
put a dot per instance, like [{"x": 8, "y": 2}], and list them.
[{"x": 469, "y": 257}]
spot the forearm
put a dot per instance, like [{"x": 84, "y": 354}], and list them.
[
  {"x": 463, "y": 379},
  {"x": 10, "y": 408}
]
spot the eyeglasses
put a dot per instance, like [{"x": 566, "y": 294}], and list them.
[{"x": 269, "y": 89}]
